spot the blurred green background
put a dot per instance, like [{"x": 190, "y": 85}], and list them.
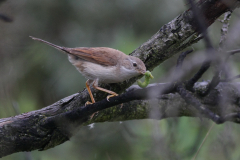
[{"x": 34, "y": 75}]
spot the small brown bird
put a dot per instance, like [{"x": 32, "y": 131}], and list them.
[{"x": 102, "y": 65}]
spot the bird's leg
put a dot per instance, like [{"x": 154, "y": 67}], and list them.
[
  {"x": 91, "y": 96},
  {"x": 95, "y": 85},
  {"x": 90, "y": 92}
]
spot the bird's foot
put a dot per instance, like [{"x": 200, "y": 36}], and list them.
[
  {"x": 113, "y": 95},
  {"x": 93, "y": 115},
  {"x": 87, "y": 103}
]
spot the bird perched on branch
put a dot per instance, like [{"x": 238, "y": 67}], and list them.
[{"x": 102, "y": 65}]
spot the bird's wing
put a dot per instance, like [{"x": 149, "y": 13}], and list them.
[{"x": 99, "y": 55}]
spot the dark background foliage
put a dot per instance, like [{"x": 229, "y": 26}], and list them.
[{"x": 34, "y": 75}]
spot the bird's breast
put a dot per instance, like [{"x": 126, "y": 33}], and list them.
[{"x": 105, "y": 74}]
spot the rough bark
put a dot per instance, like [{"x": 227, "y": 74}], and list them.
[{"x": 55, "y": 124}]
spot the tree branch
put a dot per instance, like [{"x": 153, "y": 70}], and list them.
[{"x": 55, "y": 124}]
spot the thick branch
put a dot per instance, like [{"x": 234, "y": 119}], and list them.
[
  {"x": 49, "y": 127},
  {"x": 36, "y": 130}
]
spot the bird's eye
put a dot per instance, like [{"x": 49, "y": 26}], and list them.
[{"x": 134, "y": 64}]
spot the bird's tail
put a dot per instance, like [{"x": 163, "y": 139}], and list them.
[{"x": 51, "y": 44}]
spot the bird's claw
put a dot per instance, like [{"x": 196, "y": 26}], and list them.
[
  {"x": 113, "y": 95},
  {"x": 92, "y": 115},
  {"x": 87, "y": 103}
]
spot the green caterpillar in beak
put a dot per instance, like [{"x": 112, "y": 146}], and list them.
[{"x": 148, "y": 76}]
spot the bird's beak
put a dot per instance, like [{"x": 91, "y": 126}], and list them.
[{"x": 142, "y": 72}]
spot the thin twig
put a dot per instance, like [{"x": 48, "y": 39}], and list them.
[
  {"x": 181, "y": 58},
  {"x": 224, "y": 29},
  {"x": 202, "y": 27},
  {"x": 220, "y": 67},
  {"x": 195, "y": 102},
  {"x": 203, "y": 141},
  {"x": 231, "y": 79},
  {"x": 5, "y": 18},
  {"x": 232, "y": 52},
  {"x": 223, "y": 65},
  {"x": 198, "y": 75}
]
